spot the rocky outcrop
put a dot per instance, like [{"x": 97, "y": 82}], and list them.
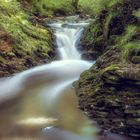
[
  {"x": 14, "y": 60},
  {"x": 109, "y": 92},
  {"x": 24, "y": 43},
  {"x": 108, "y": 26}
]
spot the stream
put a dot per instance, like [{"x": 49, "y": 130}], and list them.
[{"x": 40, "y": 103}]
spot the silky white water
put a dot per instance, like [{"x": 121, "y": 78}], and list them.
[
  {"x": 67, "y": 36},
  {"x": 43, "y": 97}
]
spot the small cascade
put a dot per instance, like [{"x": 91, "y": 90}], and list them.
[
  {"x": 67, "y": 36},
  {"x": 42, "y": 94}
]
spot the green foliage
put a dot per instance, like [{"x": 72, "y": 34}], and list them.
[
  {"x": 126, "y": 42},
  {"x": 116, "y": 25},
  {"x": 127, "y": 36},
  {"x": 109, "y": 68},
  {"x": 86, "y": 6},
  {"x": 94, "y": 7},
  {"x": 66, "y": 7},
  {"x": 137, "y": 13},
  {"x": 9, "y": 7},
  {"x": 25, "y": 36},
  {"x": 131, "y": 45},
  {"x": 50, "y": 7},
  {"x": 93, "y": 34},
  {"x": 127, "y": 48}
]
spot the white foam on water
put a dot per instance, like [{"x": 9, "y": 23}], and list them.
[
  {"x": 65, "y": 72},
  {"x": 69, "y": 67}
]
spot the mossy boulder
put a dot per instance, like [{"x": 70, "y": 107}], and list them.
[
  {"x": 136, "y": 59},
  {"x": 109, "y": 94}
]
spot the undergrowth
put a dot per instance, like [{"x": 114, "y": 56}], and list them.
[{"x": 26, "y": 36}]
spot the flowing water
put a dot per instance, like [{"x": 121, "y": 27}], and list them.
[{"x": 40, "y": 103}]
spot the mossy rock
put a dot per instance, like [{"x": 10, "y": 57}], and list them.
[
  {"x": 24, "y": 44},
  {"x": 136, "y": 59},
  {"x": 108, "y": 93}
]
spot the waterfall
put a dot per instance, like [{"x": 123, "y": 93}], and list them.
[
  {"x": 70, "y": 63},
  {"x": 67, "y": 36},
  {"x": 66, "y": 40},
  {"x": 44, "y": 85}
]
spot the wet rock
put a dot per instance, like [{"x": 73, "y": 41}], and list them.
[
  {"x": 109, "y": 94},
  {"x": 3, "y": 74},
  {"x": 136, "y": 59},
  {"x": 90, "y": 55},
  {"x": 112, "y": 136},
  {"x": 29, "y": 62}
]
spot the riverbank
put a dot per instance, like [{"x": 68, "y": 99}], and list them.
[
  {"x": 109, "y": 92},
  {"x": 24, "y": 42}
]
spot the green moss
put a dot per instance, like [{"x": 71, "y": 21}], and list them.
[
  {"x": 106, "y": 25},
  {"x": 116, "y": 25},
  {"x": 128, "y": 34},
  {"x": 86, "y": 6},
  {"x": 65, "y": 7},
  {"x": 93, "y": 35},
  {"x": 88, "y": 38},
  {"x": 50, "y": 7},
  {"x": 1, "y": 59},
  {"x": 126, "y": 43},
  {"x": 109, "y": 68},
  {"x": 137, "y": 13},
  {"x": 127, "y": 48},
  {"x": 95, "y": 7},
  {"x": 26, "y": 37},
  {"x": 112, "y": 87},
  {"x": 136, "y": 59}
]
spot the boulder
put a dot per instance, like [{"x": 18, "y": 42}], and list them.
[{"x": 109, "y": 94}]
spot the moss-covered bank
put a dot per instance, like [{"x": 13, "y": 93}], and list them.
[
  {"x": 109, "y": 92},
  {"x": 23, "y": 44},
  {"x": 49, "y": 8}
]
